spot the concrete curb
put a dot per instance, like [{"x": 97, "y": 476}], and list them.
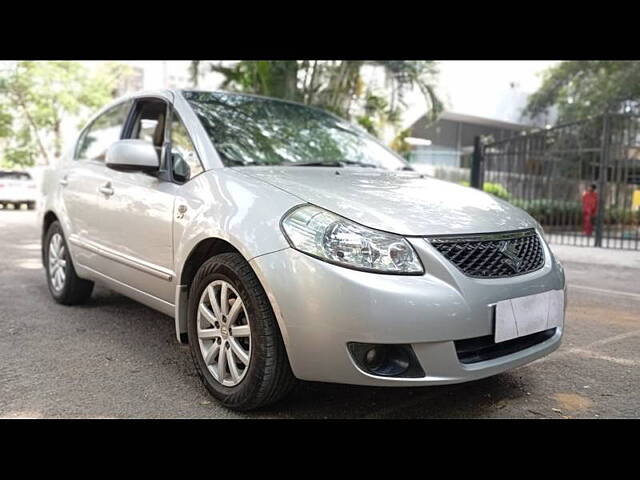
[{"x": 599, "y": 256}]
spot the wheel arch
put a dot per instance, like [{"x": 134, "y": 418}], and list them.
[
  {"x": 48, "y": 218},
  {"x": 202, "y": 251}
]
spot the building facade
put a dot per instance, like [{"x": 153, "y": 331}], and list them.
[{"x": 448, "y": 142}]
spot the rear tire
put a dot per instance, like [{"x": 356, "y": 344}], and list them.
[
  {"x": 266, "y": 377},
  {"x": 64, "y": 284}
]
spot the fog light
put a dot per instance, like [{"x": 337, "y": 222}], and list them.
[
  {"x": 375, "y": 358},
  {"x": 386, "y": 360}
]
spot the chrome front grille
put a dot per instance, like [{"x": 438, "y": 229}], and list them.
[{"x": 492, "y": 255}]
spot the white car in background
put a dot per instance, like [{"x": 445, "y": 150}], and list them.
[{"x": 17, "y": 189}]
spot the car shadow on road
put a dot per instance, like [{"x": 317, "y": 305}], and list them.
[{"x": 482, "y": 398}]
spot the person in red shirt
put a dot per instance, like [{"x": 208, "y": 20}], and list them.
[{"x": 589, "y": 209}]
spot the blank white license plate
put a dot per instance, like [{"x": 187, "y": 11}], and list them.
[{"x": 522, "y": 316}]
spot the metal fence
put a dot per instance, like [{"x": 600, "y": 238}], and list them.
[{"x": 548, "y": 172}]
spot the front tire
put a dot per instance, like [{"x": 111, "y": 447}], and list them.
[
  {"x": 234, "y": 337},
  {"x": 64, "y": 284}
]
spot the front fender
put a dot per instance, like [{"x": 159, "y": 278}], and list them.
[{"x": 224, "y": 204}]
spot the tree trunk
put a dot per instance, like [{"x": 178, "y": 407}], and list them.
[
  {"x": 20, "y": 101},
  {"x": 194, "y": 70},
  {"x": 312, "y": 83},
  {"x": 342, "y": 86},
  {"x": 283, "y": 79},
  {"x": 57, "y": 140}
]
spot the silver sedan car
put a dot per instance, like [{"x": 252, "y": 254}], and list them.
[{"x": 288, "y": 244}]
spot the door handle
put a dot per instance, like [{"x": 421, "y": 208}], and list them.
[
  {"x": 64, "y": 181},
  {"x": 106, "y": 189}
]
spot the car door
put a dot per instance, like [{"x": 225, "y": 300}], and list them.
[
  {"x": 137, "y": 211},
  {"x": 82, "y": 177}
]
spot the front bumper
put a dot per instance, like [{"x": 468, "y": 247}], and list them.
[{"x": 322, "y": 307}]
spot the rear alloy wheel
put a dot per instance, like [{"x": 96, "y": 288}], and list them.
[
  {"x": 57, "y": 262},
  {"x": 234, "y": 337},
  {"x": 64, "y": 284}
]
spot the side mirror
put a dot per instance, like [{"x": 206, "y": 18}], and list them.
[{"x": 134, "y": 155}]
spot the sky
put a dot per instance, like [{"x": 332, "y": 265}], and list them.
[{"x": 484, "y": 88}]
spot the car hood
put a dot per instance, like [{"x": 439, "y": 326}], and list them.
[{"x": 406, "y": 203}]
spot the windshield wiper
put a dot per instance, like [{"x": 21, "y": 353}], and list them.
[
  {"x": 360, "y": 164},
  {"x": 315, "y": 163},
  {"x": 329, "y": 163}
]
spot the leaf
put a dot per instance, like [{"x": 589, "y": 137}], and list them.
[{"x": 39, "y": 96}]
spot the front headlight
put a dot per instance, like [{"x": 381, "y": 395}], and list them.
[{"x": 335, "y": 239}]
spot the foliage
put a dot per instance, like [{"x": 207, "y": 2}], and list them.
[
  {"x": 621, "y": 216},
  {"x": 399, "y": 143},
  {"x": 560, "y": 212},
  {"x": 580, "y": 89},
  {"x": 563, "y": 213},
  {"x": 495, "y": 189},
  {"x": 35, "y": 98},
  {"x": 19, "y": 152},
  {"x": 336, "y": 86},
  {"x": 5, "y": 123},
  {"x": 552, "y": 212}
]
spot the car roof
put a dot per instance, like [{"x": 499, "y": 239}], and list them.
[
  {"x": 179, "y": 91},
  {"x": 263, "y": 97}
]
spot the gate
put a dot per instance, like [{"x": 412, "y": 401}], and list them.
[{"x": 547, "y": 172}]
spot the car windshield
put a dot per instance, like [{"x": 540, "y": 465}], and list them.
[{"x": 248, "y": 130}]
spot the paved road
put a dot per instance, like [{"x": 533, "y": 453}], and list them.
[{"x": 114, "y": 358}]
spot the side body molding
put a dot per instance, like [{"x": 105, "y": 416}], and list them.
[{"x": 146, "y": 267}]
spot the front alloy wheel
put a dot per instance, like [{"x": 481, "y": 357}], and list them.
[
  {"x": 224, "y": 333},
  {"x": 234, "y": 337}
]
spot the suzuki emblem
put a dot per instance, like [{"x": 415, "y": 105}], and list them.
[{"x": 509, "y": 250}]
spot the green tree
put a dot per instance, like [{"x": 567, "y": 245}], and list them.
[
  {"x": 580, "y": 89},
  {"x": 399, "y": 143},
  {"x": 337, "y": 86},
  {"x": 35, "y": 98}
]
